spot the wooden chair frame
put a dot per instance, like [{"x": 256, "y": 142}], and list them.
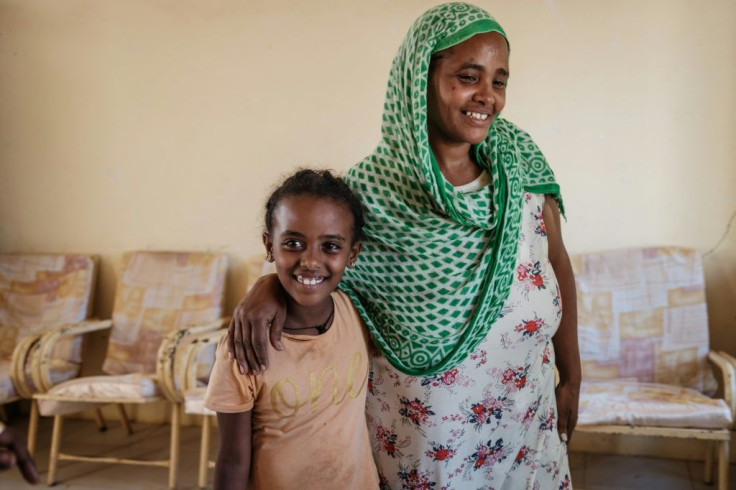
[
  {"x": 190, "y": 382},
  {"x": 165, "y": 376},
  {"x": 30, "y": 347}
]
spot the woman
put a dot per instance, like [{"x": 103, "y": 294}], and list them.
[{"x": 462, "y": 277}]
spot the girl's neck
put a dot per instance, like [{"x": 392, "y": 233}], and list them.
[
  {"x": 308, "y": 320},
  {"x": 456, "y": 163}
]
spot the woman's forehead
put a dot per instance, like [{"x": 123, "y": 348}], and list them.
[
  {"x": 485, "y": 42},
  {"x": 480, "y": 48}
]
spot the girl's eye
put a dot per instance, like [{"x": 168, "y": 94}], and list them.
[
  {"x": 331, "y": 247},
  {"x": 293, "y": 244},
  {"x": 500, "y": 83}
]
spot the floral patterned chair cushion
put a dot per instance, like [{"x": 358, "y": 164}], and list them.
[
  {"x": 39, "y": 291},
  {"x": 650, "y": 405},
  {"x": 127, "y": 387}
]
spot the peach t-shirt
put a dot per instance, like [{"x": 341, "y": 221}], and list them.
[{"x": 309, "y": 427}]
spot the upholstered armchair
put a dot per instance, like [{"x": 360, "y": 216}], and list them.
[
  {"x": 162, "y": 298},
  {"x": 40, "y": 293},
  {"x": 648, "y": 369}
]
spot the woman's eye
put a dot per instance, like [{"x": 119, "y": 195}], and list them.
[
  {"x": 500, "y": 83},
  {"x": 467, "y": 78}
]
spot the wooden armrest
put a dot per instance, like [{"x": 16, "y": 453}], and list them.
[
  {"x": 726, "y": 368},
  {"x": 167, "y": 354},
  {"x": 41, "y": 366},
  {"x": 192, "y": 351},
  {"x": 25, "y": 348}
]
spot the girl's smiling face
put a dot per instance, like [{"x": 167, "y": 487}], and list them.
[
  {"x": 467, "y": 89},
  {"x": 311, "y": 242}
]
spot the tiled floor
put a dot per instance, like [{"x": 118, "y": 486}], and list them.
[
  {"x": 611, "y": 472},
  {"x": 589, "y": 471}
]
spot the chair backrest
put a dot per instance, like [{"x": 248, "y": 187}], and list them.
[
  {"x": 642, "y": 316},
  {"x": 38, "y": 291},
  {"x": 157, "y": 293},
  {"x": 199, "y": 367}
]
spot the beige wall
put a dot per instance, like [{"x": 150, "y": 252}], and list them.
[{"x": 161, "y": 124}]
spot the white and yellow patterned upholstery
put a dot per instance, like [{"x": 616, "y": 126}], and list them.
[
  {"x": 650, "y": 405},
  {"x": 158, "y": 293},
  {"x": 124, "y": 388},
  {"x": 39, "y": 292},
  {"x": 642, "y": 316}
]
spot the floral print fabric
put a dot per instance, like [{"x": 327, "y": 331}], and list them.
[{"x": 490, "y": 422}]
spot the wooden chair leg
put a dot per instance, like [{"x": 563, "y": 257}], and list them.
[
  {"x": 100, "y": 421},
  {"x": 204, "y": 451},
  {"x": 708, "y": 478},
  {"x": 723, "y": 466},
  {"x": 174, "y": 449},
  {"x": 55, "y": 444},
  {"x": 33, "y": 428},
  {"x": 124, "y": 419}
]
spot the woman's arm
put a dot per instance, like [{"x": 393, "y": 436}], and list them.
[
  {"x": 258, "y": 318},
  {"x": 232, "y": 467},
  {"x": 567, "y": 353}
]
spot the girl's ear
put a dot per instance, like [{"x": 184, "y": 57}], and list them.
[
  {"x": 354, "y": 251},
  {"x": 268, "y": 243}
]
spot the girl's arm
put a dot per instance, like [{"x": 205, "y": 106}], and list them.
[
  {"x": 565, "y": 341},
  {"x": 232, "y": 467}
]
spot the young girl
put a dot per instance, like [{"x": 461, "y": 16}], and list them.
[{"x": 302, "y": 422}]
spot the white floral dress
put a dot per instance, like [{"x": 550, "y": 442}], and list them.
[{"x": 491, "y": 422}]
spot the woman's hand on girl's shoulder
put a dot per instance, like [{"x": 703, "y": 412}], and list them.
[{"x": 258, "y": 319}]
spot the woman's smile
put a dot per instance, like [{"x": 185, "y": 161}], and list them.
[{"x": 476, "y": 116}]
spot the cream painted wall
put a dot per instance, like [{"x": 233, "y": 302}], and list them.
[{"x": 162, "y": 124}]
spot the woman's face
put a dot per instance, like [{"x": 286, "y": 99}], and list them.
[{"x": 467, "y": 89}]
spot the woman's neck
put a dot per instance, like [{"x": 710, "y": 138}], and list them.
[{"x": 455, "y": 163}]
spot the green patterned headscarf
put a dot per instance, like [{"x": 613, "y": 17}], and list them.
[{"x": 437, "y": 265}]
